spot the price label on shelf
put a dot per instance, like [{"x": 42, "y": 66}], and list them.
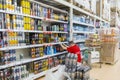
[
  {"x": 49, "y": 32},
  {"x": 44, "y": 32},
  {"x": 45, "y": 45},
  {"x": 8, "y": 30},
  {"x": 48, "y": 56},
  {"x": 44, "y": 19},
  {"x": 51, "y": 44},
  {"x": 7, "y": 48}
]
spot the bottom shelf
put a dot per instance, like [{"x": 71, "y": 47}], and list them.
[{"x": 35, "y": 76}]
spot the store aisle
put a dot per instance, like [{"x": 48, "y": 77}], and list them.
[{"x": 107, "y": 72}]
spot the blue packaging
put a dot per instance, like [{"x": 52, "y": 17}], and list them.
[
  {"x": 11, "y": 58},
  {"x": 45, "y": 50},
  {"x": 44, "y": 12},
  {"x": 65, "y": 27},
  {"x": 55, "y": 51},
  {"x": 51, "y": 50},
  {"x": 48, "y": 50}
]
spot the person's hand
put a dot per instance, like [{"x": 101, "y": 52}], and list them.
[{"x": 61, "y": 44}]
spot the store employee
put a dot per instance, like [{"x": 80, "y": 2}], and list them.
[{"x": 72, "y": 48}]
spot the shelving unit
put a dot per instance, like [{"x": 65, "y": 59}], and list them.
[
  {"x": 67, "y": 9},
  {"x": 32, "y": 31},
  {"x": 30, "y": 46},
  {"x": 33, "y": 76},
  {"x": 79, "y": 41},
  {"x": 81, "y": 23},
  {"x": 23, "y": 48},
  {"x": 82, "y": 32},
  {"x": 29, "y": 60},
  {"x": 35, "y": 17}
]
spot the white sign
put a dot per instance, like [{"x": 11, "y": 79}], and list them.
[{"x": 95, "y": 56}]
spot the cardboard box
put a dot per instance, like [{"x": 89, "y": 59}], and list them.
[
  {"x": 98, "y": 8},
  {"x": 108, "y": 53},
  {"x": 93, "y": 6}
]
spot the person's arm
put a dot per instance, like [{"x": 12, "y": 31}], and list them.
[{"x": 63, "y": 46}]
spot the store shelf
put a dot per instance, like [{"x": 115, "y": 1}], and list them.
[
  {"x": 29, "y": 60},
  {"x": 80, "y": 10},
  {"x": 35, "y": 76},
  {"x": 13, "y": 13},
  {"x": 83, "y": 32},
  {"x": 63, "y": 2},
  {"x": 53, "y": 20},
  {"x": 77, "y": 41},
  {"x": 81, "y": 23},
  {"x": 87, "y": 13},
  {"x": 31, "y": 31},
  {"x": 83, "y": 48},
  {"x": 44, "y": 19},
  {"x": 30, "y": 46},
  {"x": 48, "y": 6}
]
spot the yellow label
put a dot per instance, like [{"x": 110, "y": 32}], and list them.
[
  {"x": 41, "y": 48},
  {"x": 16, "y": 41},
  {"x": 12, "y": 7},
  {"x": 28, "y": 26},
  {"x": 5, "y": 6},
  {"x": 14, "y": 25},
  {"x": 14, "y": 17},
  {"x": 23, "y": 10},
  {"x": 8, "y": 34},
  {"x": 8, "y": 24},
  {"x": 33, "y": 56},
  {"x": 0, "y": 6},
  {"x": 25, "y": 26},
  {"x": 9, "y": 7},
  {"x": 24, "y": 19},
  {"x": 10, "y": 42},
  {"x": 8, "y": 16},
  {"x": 23, "y": 3}
]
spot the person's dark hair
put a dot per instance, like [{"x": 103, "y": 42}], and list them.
[{"x": 71, "y": 42}]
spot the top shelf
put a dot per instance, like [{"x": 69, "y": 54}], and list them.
[
  {"x": 36, "y": 17},
  {"x": 80, "y": 10},
  {"x": 48, "y": 6}
]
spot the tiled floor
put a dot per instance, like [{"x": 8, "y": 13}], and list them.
[{"x": 107, "y": 72}]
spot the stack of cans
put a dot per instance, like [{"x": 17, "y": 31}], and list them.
[{"x": 75, "y": 71}]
